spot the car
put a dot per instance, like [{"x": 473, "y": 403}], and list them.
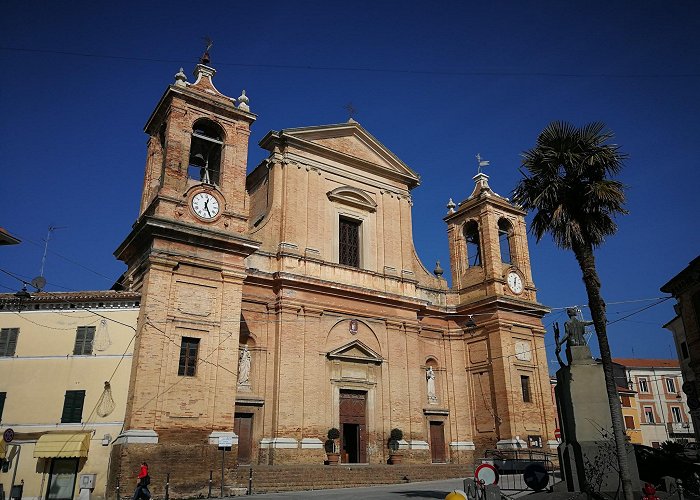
[{"x": 692, "y": 451}]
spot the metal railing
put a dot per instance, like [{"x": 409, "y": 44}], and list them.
[{"x": 511, "y": 464}]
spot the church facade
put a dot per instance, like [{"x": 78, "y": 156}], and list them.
[{"x": 283, "y": 303}]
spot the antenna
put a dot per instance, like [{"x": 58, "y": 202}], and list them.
[{"x": 52, "y": 228}]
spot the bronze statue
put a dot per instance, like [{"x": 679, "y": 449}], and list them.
[{"x": 574, "y": 331}]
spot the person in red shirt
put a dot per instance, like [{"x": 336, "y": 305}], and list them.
[{"x": 142, "y": 486}]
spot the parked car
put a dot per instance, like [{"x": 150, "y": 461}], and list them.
[
  {"x": 692, "y": 451},
  {"x": 654, "y": 463}
]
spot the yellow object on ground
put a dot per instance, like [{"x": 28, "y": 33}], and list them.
[{"x": 456, "y": 495}]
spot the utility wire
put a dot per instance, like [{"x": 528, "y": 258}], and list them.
[{"x": 358, "y": 69}]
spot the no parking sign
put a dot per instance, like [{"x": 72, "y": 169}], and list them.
[{"x": 486, "y": 474}]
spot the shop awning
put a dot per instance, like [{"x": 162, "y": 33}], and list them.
[
  {"x": 3, "y": 449},
  {"x": 63, "y": 445}
]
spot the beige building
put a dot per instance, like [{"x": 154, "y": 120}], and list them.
[
  {"x": 281, "y": 304},
  {"x": 57, "y": 350},
  {"x": 685, "y": 326},
  {"x": 663, "y": 408}
]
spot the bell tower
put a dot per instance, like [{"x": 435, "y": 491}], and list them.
[
  {"x": 492, "y": 279},
  {"x": 185, "y": 254}
]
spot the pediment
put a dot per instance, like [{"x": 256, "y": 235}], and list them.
[
  {"x": 353, "y": 197},
  {"x": 349, "y": 143},
  {"x": 355, "y": 351}
]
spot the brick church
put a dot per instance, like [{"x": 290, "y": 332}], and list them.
[{"x": 282, "y": 303}]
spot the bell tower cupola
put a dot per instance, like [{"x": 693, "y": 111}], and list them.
[
  {"x": 488, "y": 246},
  {"x": 197, "y": 153}
]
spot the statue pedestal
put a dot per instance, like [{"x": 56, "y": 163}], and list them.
[{"x": 587, "y": 453}]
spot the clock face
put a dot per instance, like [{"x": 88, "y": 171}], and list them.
[
  {"x": 205, "y": 205},
  {"x": 515, "y": 282}
]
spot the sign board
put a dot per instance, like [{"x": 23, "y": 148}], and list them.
[
  {"x": 536, "y": 476},
  {"x": 225, "y": 441},
  {"x": 8, "y": 435},
  {"x": 486, "y": 474}
]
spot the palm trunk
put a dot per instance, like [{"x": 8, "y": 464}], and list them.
[{"x": 586, "y": 260}]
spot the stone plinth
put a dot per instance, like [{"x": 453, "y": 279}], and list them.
[{"x": 587, "y": 453}]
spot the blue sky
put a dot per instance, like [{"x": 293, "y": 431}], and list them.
[{"x": 436, "y": 82}]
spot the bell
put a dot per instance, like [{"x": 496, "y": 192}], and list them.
[{"x": 198, "y": 160}]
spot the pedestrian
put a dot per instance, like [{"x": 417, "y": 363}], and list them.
[{"x": 144, "y": 480}]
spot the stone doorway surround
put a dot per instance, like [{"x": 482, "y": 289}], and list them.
[{"x": 354, "y": 368}]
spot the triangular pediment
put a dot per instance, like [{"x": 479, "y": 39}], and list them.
[
  {"x": 349, "y": 143},
  {"x": 355, "y": 351}
]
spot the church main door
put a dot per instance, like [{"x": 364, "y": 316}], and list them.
[{"x": 353, "y": 426}]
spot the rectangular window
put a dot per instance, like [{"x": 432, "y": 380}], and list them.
[
  {"x": 625, "y": 400},
  {"x": 188, "y": 357},
  {"x": 8, "y": 341},
  {"x": 629, "y": 422},
  {"x": 676, "y": 414},
  {"x": 671, "y": 385},
  {"x": 684, "y": 350},
  {"x": 649, "y": 414},
  {"x": 643, "y": 385},
  {"x": 73, "y": 407},
  {"x": 3, "y": 395},
  {"x": 84, "y": 336},
  {"x": 349, "y": 242},
  {"x": 525, "y": 383}
]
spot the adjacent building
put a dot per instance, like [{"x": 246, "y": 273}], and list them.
[
  {"x": 662, "y": 406},
  {"x": 65, "y": 360},
  {"x": 685, "y": 326}
]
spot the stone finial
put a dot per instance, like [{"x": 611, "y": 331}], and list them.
[
  {"x": 451, "y": 206},
  {"x": 243, "y": 102},
  {"x": 438, "y": 271},
  {"x": 181, "y": 78}
]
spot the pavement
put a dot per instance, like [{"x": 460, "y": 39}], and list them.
[{"x": 407, "y": 491}]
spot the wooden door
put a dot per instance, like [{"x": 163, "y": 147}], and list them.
[
  {"x": 437, "y": 442},
  {"x": 243, "y": 427},
  {"x": 353, "y": 411}
]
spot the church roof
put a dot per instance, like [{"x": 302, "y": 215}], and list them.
[{"x": 347, "y": 142}]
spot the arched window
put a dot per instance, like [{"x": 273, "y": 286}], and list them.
[
  {"x": 205, "y": 152},
  {"x": 505, "y": 231},
  {"x": 471, "y": 235}
]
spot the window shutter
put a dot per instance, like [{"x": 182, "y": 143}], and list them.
[
  {"x": 8, "y": 341},
  {"x": 3, "y": 395},
  {"x": 84, "y": 336},
  {"x": 73, "y": 407}
]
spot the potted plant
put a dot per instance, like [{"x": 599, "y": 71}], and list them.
[
  {"x": 395, "y": 436},
  {"x": 332, "y": 454}
]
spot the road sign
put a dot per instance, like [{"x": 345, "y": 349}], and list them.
[
  {"x": 536, "y": 476},
  {"x": 8, "y": 435},
  {"x": 486, "y": 474},
  {"x": 225, "y": 441},
  {"x": 557, "y": 434}
]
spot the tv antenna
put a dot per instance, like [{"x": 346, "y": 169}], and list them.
[{"x": 40, "y": 279}]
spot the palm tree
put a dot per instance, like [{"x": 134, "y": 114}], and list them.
[{"x": 567, "y": 184}]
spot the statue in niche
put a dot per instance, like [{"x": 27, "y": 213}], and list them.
[
  {"x": 430, "y": 378},
  {"x": 244, "y": 367}
]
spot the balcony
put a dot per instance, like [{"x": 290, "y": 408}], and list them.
[{"x": 679, "y": 429}]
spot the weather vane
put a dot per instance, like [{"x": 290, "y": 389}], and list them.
[
  {"x": 350, "y": 109},
  {"x": 480, "y": 163},
  {"x": 205, "y": 59}
]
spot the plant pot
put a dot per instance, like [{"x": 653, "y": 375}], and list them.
[
  {"x": 333, "y": 458},
  {"x": 396, "y": 458}
]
